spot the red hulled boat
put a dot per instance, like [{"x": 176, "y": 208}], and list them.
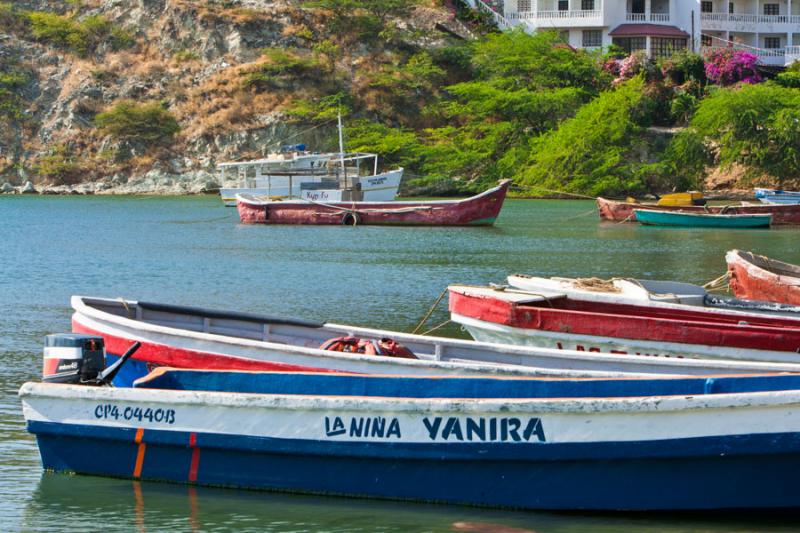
[
  {"x": 479, "y": 210},
  {"x": 561, "y": 321},
  {"x": 619, "y": 211},
  {"x": 756, "y": 277}
]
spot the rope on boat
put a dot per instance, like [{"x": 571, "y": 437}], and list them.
[
  {"x": 592, "y": 211},
  {"x": 721, "y": 283},
  {"x": 576, "y": 195},
  {"x": 429, "y": 313},
  {"x": 443, "y": 324},
  {"x": 355, "y": 211}
]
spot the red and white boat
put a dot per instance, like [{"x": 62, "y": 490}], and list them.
[
  {"x": 757, "y": 277},
  {"x": 186, "y": 337},
  {"x": 624, "y": 211},
  {"x": 556, "y": 320},
  {"x": 479, "y": 210}
]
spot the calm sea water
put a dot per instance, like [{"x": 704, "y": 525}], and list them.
[{"x": 192, "y": 251}]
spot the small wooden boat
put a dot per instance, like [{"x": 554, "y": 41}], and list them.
[
  {"x": 556, "y": 320},
  {"x": 778, "y": 196},
  {"x": 623, "y": 211},
  {"x": 653, "y": 217},
  {"x": 188, "y": 337},
  {"x": 705, "y": 443},
  {"x": 665, "y": 294},
  {"x": 479, "y": 210},
  {"x": 757, "y": 277}
]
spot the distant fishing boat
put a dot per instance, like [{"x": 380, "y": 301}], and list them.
[
  {"x": 637, "y": 445},
  {"x": 653, "y": 217},
  {"x": 778, "y": 196},
  {"x": 557, "y": 320},
  {"x": 186, "y": 337},
  {"x": 620, "y": 211},
  {"x": 758, "y": 277},
  {"x": 479, "y": 210}
]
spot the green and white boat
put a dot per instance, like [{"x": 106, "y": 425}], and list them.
[{"x": 655, "y": 217}]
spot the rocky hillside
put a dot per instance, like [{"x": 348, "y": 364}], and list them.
[{"x": 131, "y": 96}]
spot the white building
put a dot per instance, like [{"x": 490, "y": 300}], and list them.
[{"x": 768, "y": 28}]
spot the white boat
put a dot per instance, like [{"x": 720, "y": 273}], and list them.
[
  {"x": 671, "y": 444},
  {"x": 188, "y": 337}
]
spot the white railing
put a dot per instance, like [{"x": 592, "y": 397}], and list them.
[
  {"x": 577, "y": 14},
  {"x": 642, "y": 17},
  {"x": 766, "y": 56},
  {"x": 635, "y": 17},
  {"x": 747, "y": 18},
  {"x": 502, "y": 22},
  {"x": 659, "y": 17},
  {"x": 792, "y": 54}
]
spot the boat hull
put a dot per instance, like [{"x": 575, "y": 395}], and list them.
[
  {"x": 660, "y": 453},
  {"x": 623, "y": 328},
  {"x": 480, "y": 210},
  {"x": 700, "y": 220},
  {"x": 623, "y": 211},
  {"x": 231, "y": 341},
  {"x": 749, "y": 280}
]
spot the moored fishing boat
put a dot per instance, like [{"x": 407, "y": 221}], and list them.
[
  {"x": 479, "y": 210},
  {"x": 778, "y": 196},
  {"x": 655, "y": 217},
  {"x": 705, "y": 443},
  {"x": 556, "y": 320},
  {"x": 187, "y": 337},
  {"x": 757, "y": 277},
  {"x": 620, "y": 211}
]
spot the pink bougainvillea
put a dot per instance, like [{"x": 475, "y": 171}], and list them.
[
  {"x": 631, "y": 66},
  {"x": 726, "y": 66}
]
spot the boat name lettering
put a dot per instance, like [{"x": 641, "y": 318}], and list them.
[
  {"x": 581, "y": 348},
  {"x": 363, "y": 427},
  {"x": 484, "y": 429},
  {"x": 113, "y": 412},
  {"x": 376, "y": 181}
]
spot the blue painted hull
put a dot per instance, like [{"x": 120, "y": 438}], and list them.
[
  {"x": 746, "y": 471},
  {"x": 697, "y": 220}
]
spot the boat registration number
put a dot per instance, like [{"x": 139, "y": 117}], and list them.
[{"x": 114, "y": 412}]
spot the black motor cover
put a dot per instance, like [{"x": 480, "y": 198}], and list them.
[{"x": 72, "y": 358}]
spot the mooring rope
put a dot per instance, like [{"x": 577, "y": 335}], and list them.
[
  {"x": 721, "y": 283},
  {"x": 430, "y": 312}
]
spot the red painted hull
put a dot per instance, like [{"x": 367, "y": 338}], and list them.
[
  {"x": 480, "y": 210},
  {"x": 759, "y": 278},
  {"x": 623, "y": 321},
  {"x": 623, "y": 211}
]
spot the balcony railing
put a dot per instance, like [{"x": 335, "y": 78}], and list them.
[
  {"x": 557, "y": 14},
  {"x": 766, "y": 56},
  {"x": 642, "y": 17},
  {"x": 746, "y": 18}
]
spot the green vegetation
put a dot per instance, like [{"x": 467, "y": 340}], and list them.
[
  {"x": 60, "y": 165},
  {"x": 281, "y": 65},
  {"x": 146, "y": 123},
  {"x": 81, "y": 36},
  {"x": 13, "y": 78}
]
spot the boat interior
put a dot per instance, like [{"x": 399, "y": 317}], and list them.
[{"x": 771, "y": 265}]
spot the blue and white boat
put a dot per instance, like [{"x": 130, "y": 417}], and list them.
[
  {"x": 778, "y": 196},
  {"x": 600, "y": 444}
]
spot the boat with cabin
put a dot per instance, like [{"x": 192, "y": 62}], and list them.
[
  {"x": 528, "y": 443},
  {"x": 778, "y": 196},
  {"x": 187, "y": 337}
]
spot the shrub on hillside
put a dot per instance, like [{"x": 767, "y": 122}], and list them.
[
  {"x": 282, "y": 65},
  {"x": 79, "y": 36},
  {"x": 726, "y": 66},
  {"x": 12, "y": 79},
  {"x": 147, "y": 123},
  {"x": 789, "y": 79}
]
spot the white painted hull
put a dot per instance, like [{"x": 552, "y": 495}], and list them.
[
  {"x": 297, "y": 345},
  {"x": 491, "y": 332}
]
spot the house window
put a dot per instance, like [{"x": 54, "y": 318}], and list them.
[
  {"x": 730, "y": 8},
  {"x": 587, "y": 5},
  {"x": 631, "y": 44},
  {"x": 705, "y": 40},
  {"x": 772, "y": 42},
  {"x": 662, "y": 47},
  {"x": 637, "y": 6},
  {"x": 592, "y": 38},
  {"x": 563, "y": 5},
  {"x": 706, "y": 6},
  {"x": 523, "y": 6},
  {"x": 771, "y": 9}
]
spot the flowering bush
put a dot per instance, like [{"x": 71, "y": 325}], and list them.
[{"x": 726, "y": 66}]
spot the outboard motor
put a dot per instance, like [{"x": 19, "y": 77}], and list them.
[
  {"x": 80, "y": 359},
  {"x": 73, "y": 358}
]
